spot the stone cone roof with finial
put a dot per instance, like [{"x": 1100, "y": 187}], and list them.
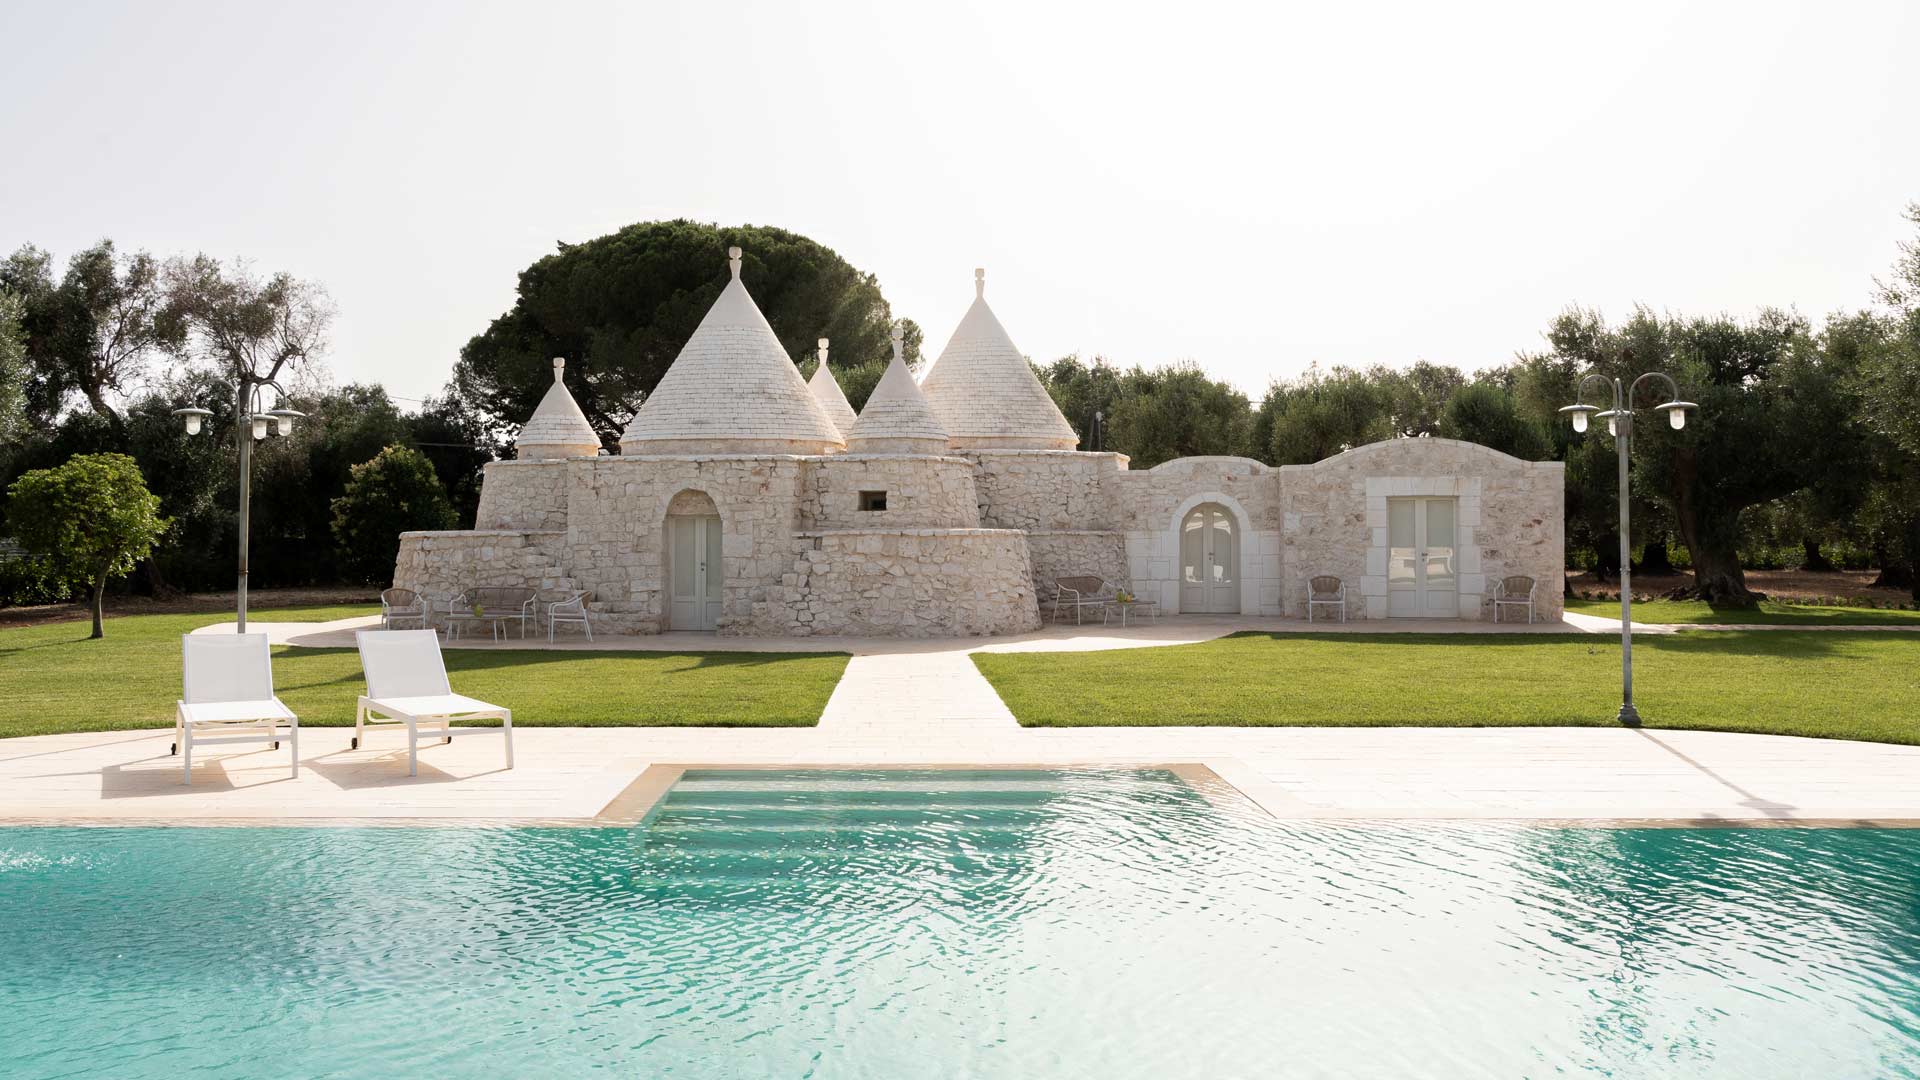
[
  {"x": 833, "y": 400},
  {"x": 896, "y": 418},
  {"x": 732, "y": 390},
  {"x": 557, "y": 429},
  {"x": 985, "y": 394}
]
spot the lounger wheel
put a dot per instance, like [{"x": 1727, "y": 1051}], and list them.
[
  {"x": 448, "y": 740},
  {"x": 276, "y": 745},
  {"x": 173, "y": 749},
  {"x": 353, "y": 743}
]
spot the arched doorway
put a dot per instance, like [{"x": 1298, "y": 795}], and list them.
[
  {"x": 693, "y": 562},
  {"x": 1209, "y": 560}
]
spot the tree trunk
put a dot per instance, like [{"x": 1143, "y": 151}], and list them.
[
  {"x": 1913, "y": 555},
  {"x": 1896, "y": 571},
  {"x": 1653, "y": 555},
  {"x": 1713, "y": 542},
  {"x": 99, "y": 603},
  {"x": 1814, "y": 560},
  {"x": 97, "y": 400},
  {"x": 1606, "y": 556}
]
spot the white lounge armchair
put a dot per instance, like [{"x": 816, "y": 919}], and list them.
[
  {"x": 407, "y": 684},
  {"x": 572, "y": 611},
  {"x": 1514, "y": 591},
  {"x": 1325, "y": 590},
  {"x": 227, "y": 697}
]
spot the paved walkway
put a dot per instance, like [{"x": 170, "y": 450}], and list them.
[
  {"x": 924, "y": 703},
  {"x": 580, "y": 775}
]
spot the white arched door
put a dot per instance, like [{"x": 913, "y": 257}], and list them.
[
  {"x": 693, "y": 554},
  {"x": 1209, "y": 561}
]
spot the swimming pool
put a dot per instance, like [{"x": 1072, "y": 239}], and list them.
[{"x": 951, "y": 923}]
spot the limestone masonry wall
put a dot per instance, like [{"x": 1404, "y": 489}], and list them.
[
  {"x": 523, "y": 495},
  {"x": 442, "y": 564},
  {"x": 616, "y": 534},
  {"x": 1046, "y": 489},
  {"x": 1510, "y": 520},
  {"x": 922, "y": 492},
  {"x": 1069, "y": 553},
  {"x": 902, "y": 583},
  {"x": 972, "y": 543}
]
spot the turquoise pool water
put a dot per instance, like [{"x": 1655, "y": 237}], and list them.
[{"x": 950, "y": 924}]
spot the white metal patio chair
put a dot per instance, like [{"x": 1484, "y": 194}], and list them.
[
  {"x": 1325, "y": 590},
  {"x": 571, "y": 611},
  {"x": 227, "y": 693},
  {"x": 402, "y": 606},
  {"x": 1513, "y": 591},
  {"x": 407, "y": 684}
]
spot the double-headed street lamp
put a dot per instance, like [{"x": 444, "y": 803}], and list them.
[
  {"x": 247, "y": 415},
  {"x": 1620, "y": 425}
]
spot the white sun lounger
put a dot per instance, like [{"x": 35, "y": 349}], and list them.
[
  {"x": 226, "y": 684},
  {"x": 407, "y": 684}
]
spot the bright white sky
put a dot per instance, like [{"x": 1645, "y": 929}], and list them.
[{"x": 1253, "y": 189}]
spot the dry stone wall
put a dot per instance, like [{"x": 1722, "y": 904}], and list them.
[
  {"x": 902, "y": 583},
  {"x": 444, "y": 564},
  {"x": 1046, "y": 489},
  {"x": 1073, "y": 553},
  {"x": 523, "y": 495}
]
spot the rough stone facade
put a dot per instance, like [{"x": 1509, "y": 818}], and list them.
[
  {"x": 904, "y": 583},
  {"x": 1509, "y": 519},
  {"x": 971, "y": 543}
]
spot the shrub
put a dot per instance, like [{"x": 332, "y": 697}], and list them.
[{"x": 396, "y": 492}]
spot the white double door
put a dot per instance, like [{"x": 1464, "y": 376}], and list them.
[
  {"x": 693, "y": 556},
  {"x": 1423, "y": 580},
  {"x": 1209, "y": 561}
]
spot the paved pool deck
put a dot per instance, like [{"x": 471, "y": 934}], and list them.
[{"x": 906, "y": 703}]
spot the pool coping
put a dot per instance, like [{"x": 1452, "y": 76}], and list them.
[{"x": 1227, "y": 782}]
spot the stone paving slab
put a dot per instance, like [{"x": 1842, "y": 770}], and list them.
[{"x": 572, "y": 775}]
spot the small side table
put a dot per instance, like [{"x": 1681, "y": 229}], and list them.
[{"x": 1127, "y": 608}]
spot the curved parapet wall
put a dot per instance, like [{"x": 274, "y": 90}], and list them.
[
  {"x": 913, "y": 583},
  {"x": 444, "y": 564}
]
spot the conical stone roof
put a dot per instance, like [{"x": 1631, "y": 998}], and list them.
[
  {"x": 732, "y": 390},
  {"x": 897, "y": 418},
  {"x": 557, "y": 429},
  {"x": 826, "y": 390},
  {"x": 983, "y": 392}
]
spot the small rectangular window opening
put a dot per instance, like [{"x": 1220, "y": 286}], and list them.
[{"x": 873, "y": 500}]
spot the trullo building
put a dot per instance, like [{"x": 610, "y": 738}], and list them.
[{"x": 747, "y": 500}]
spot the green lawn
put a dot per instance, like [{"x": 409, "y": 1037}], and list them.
[
  {"x": 1697, "y": 611},
  {"x": 53, "y": 679},
  {"x": 1858, "y": 685}
]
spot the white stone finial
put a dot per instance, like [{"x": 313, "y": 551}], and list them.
[
  {"x": 899, "y": 339},
  {"x": 733, "y": 262},
  {"x": 980, "y": 282},
  {"x": 823, "y": 350},
  {"x": 559, "y": 365}
]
